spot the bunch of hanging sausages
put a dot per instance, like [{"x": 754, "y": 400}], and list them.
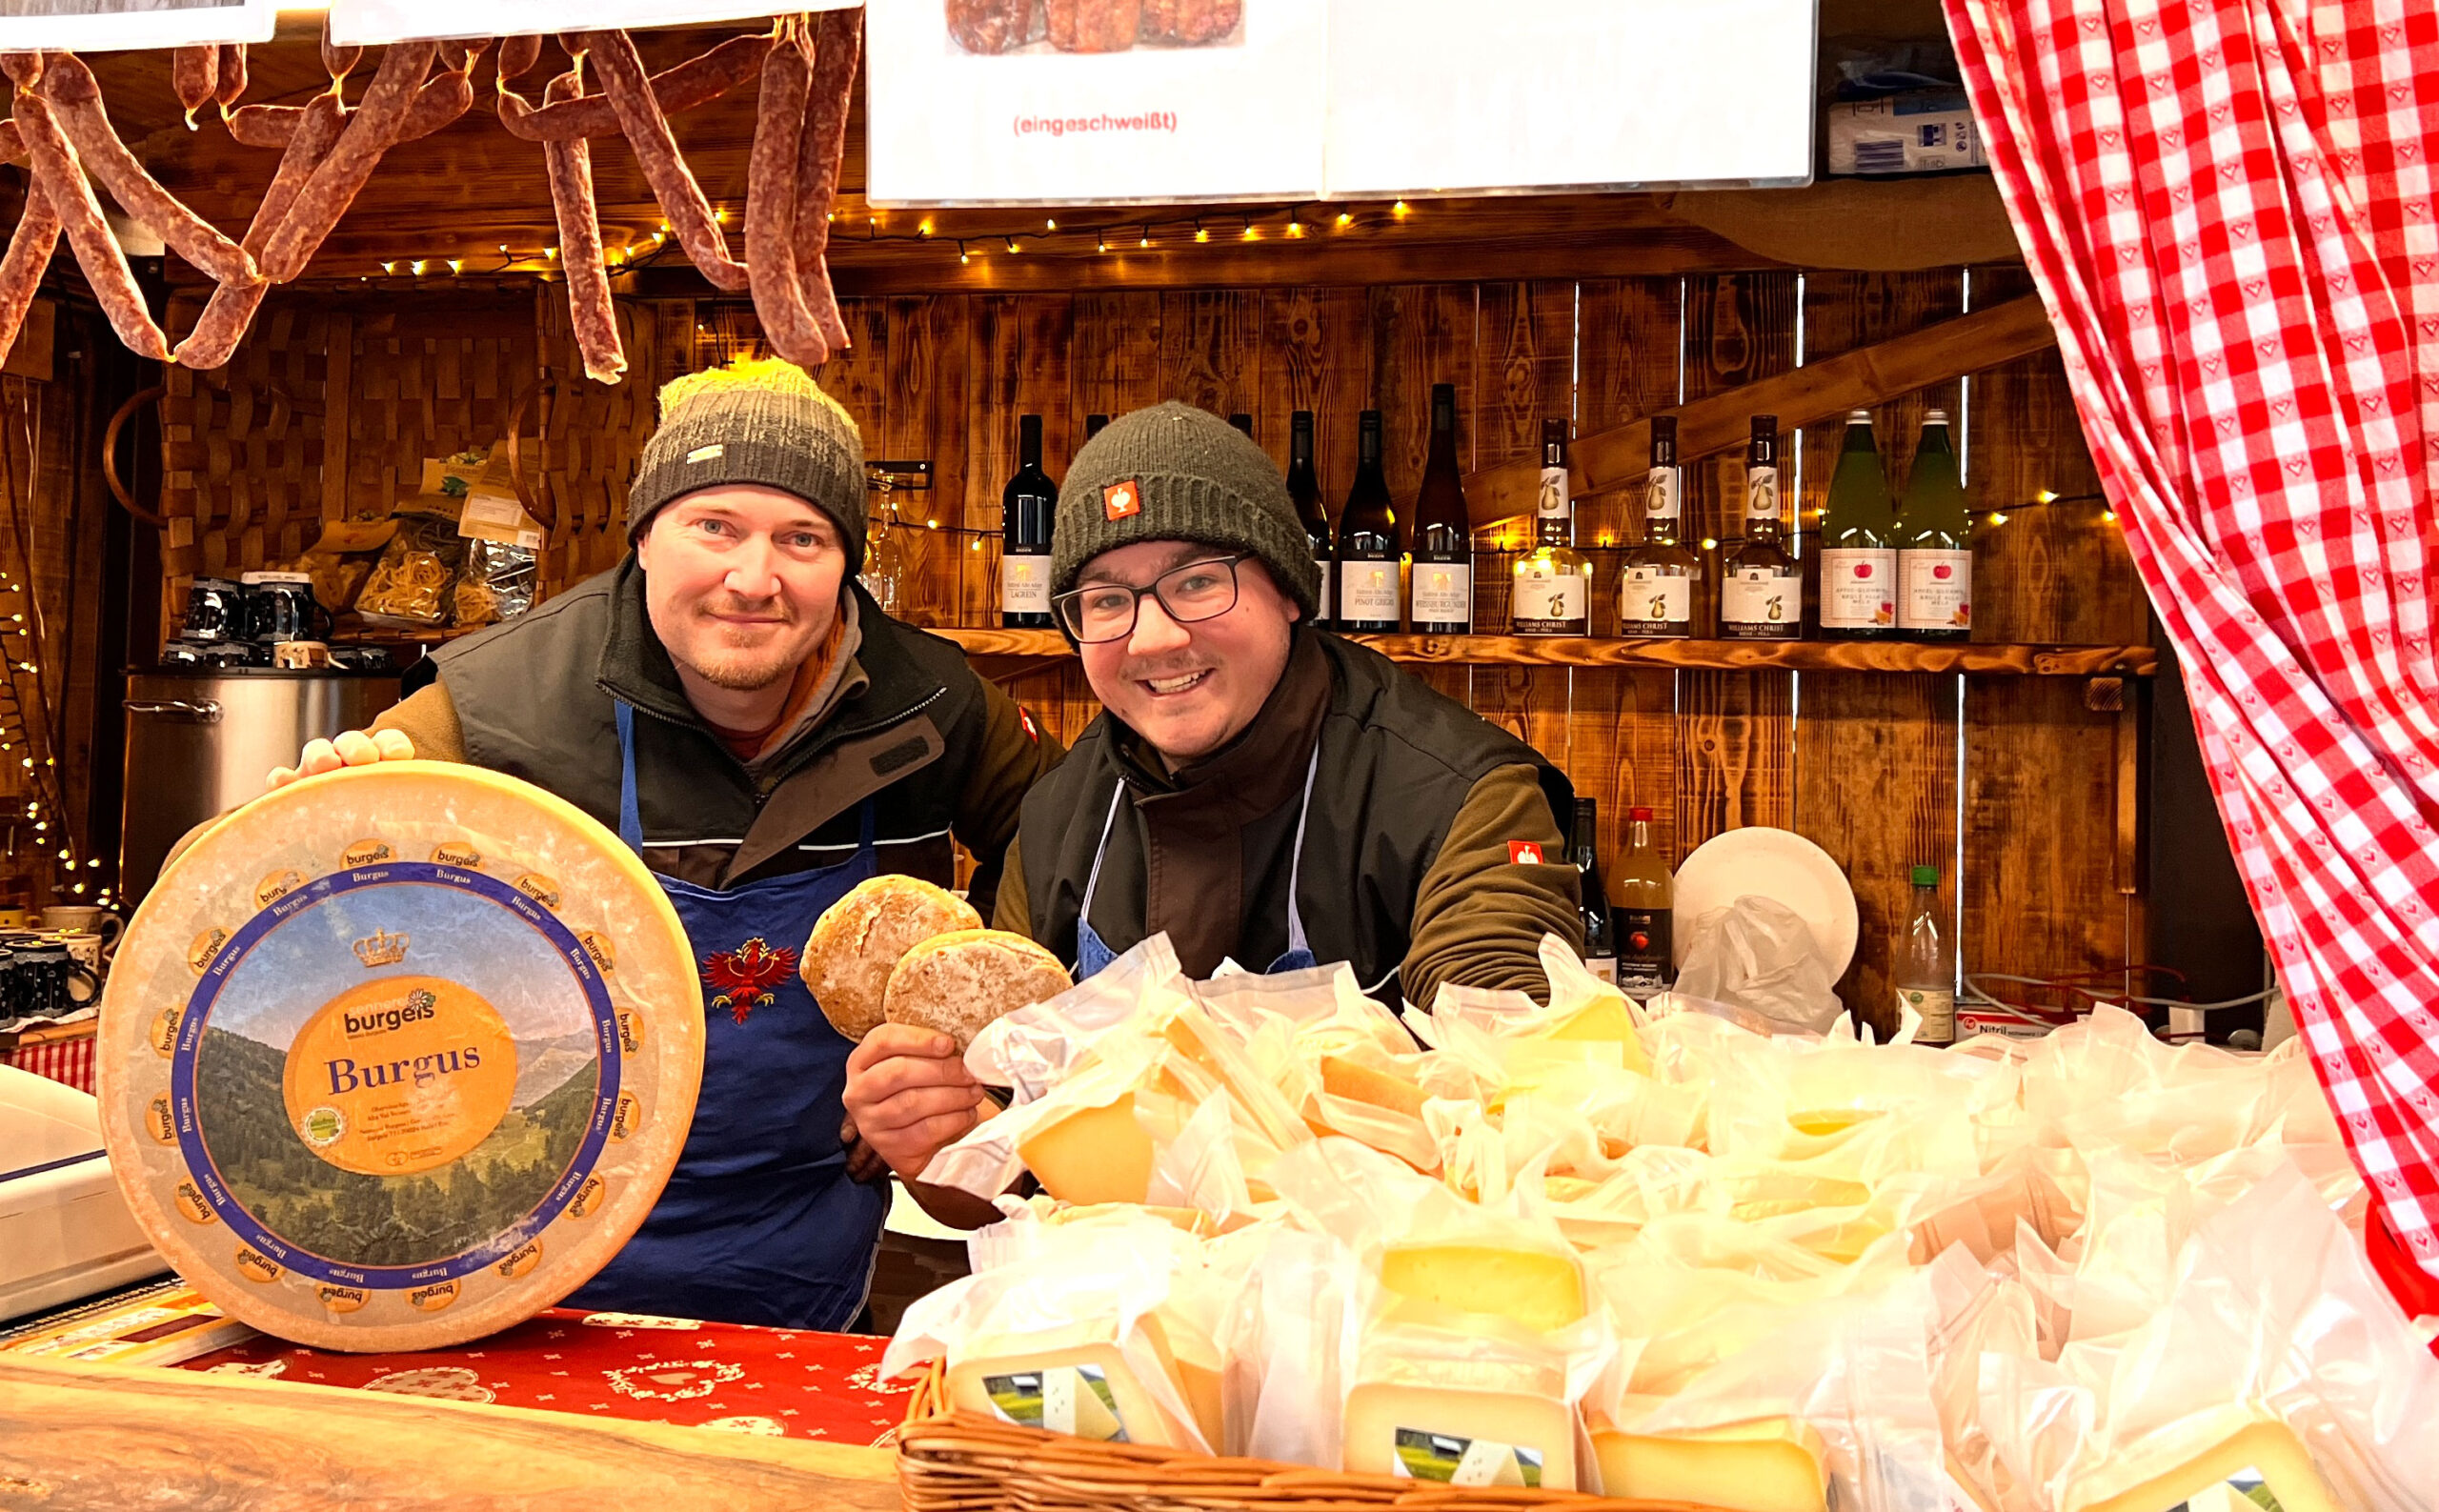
[{"x": 328, "y": 150}]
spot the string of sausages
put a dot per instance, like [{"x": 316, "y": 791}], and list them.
[{"x": 328, "y": 151}]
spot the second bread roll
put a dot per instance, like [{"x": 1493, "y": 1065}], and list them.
[
  {"x": 859, "y": 939},
  {"x": 957, "y": 984}
]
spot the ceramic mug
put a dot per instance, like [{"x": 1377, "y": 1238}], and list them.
[
  {"x": 16, "y": 919},
  {"x": 300, "y": 653},
  {"x": 84, "y": 918}
]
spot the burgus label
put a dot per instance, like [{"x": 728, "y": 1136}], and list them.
[
  {"x": 399, "y": 1075},
  {"x": 1024, "y": 585},
  {"x": 1654, "y": 598},
  {"x": 1858, "y": 589},
  {"x": 1760, "y": 605},
  {"x": 1443, "y": 594},
  {"x": 1939, "y": 590}
]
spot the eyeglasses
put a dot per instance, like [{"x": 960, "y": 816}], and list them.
[{"x": 1201, "y": 590}]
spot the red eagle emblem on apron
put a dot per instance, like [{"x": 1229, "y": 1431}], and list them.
[{"x": 743, "y": 977}]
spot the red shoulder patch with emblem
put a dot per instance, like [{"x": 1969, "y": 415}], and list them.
[
  {"x": 1024, "y": 717},
  {"x": 1523, "y": 853}
]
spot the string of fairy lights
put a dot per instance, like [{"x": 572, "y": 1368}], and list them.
[
  {"x": 1204, "y": 227},
  {"x": 21, "y": 630}
]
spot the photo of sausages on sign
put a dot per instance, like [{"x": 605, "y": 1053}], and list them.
[
  {"x": 997, "y": 27},
  {"x": 107, "y": 8}
]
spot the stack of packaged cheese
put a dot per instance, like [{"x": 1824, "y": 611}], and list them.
[{"x": 1675, "y": 1257}]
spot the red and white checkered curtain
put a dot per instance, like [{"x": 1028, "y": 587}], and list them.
[{"x": 2228, "y": 207}]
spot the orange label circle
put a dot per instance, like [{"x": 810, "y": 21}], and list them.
[{"x": 399, "y": 1075}]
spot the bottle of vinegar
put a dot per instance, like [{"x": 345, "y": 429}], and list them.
[
  {"x": 1368, "y": 546},
  {"x": 1858, "y": 543},
  {"x": 1935, "y": 542},
  {"x": 1762, "y": 596},
  {"x": 1656, "y": 590},
  {"x": 1926, "y": 965},
  {"x": 1027, "y": 507},
  {"x": 1443, "y": 539},
  {"x": 1305, "y": 487},
  {"x": 1552, "y": 594}
]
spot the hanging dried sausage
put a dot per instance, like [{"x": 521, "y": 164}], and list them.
[
  {"x": 231, "y": 85},
  {"x": 263, "y": 124},
  {"x": 76, "y": 105},
  {"x": 673, "y": 184},
  {"x": 12, "y": 144},
  {"x": 837, "y": 42},
  {"x": 771, "y": 208},
  {"x": 338, "y": 61},
  {"x": 518, "y": 56},
  {"x": 371, "y": 129},
  {"x": 696, "y": 81},
  {"x": 21, "y": 271},
  {"x": 194, "y": 73},
  {"x": 58, "y": 176},
  {"x": 589, "y": 312}
]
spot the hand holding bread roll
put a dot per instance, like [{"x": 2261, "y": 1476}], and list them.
[
  {"x": 861, "y": 938},
  {"x": 958, "y": 983}
]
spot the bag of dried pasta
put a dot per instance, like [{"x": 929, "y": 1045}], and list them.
[{"x": 414, "y": 582}]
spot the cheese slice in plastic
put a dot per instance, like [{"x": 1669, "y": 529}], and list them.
[
  {"x": 1063, "y": 1381},
  {"x": 1605, "y": 1019},
  {"x": 1486, "y": 1422},
  {"x": 2259, "y": 1458},
  {"x": 1769, "y": 1464},
  {"x": 1341, "y": 1077},
  {"x": 1538, "y": 1288},
  {"x": 1093, "y": 1156}
]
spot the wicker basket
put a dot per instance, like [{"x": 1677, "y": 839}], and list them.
[{"x": 962, "y": 1461}]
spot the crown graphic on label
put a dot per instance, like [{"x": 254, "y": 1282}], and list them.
[{"x": 381, "y": 948}]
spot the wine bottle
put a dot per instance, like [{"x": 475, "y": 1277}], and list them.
[
  {"x": 1368, "y": 544},
  {"x": 1656, "y": 589},
  {"x": 1762, "y": 596},
  {"x": 1552, "y": 593},
  {"x": 1244, "y": 423},
  {"x": 1642, "y": 908},
  {"x": 1442, "y": 601},
  {"x": 1094, "y": 425},
  {"x": 1600, "y": 935},
  {"x": 1027, "y": 507},
  {"x": 1858, "y": 543},
  {"x": 1305, "y": 488},
  {"x": 1935, "y": 542}
]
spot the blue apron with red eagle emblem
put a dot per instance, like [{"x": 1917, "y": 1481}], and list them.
[{"x": 760, "y": 1223}]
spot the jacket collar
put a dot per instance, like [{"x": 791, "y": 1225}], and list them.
[{"x": 880, "y": 686}]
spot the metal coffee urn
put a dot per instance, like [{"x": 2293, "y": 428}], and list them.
[{"x": 201, "y": 739}]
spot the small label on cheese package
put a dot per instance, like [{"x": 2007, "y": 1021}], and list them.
[
  {"x": 1453, "y": 1461},
  {"x": 1061, "y": 1398}
]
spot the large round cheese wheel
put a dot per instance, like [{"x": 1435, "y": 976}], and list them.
[{"x": 398, "y": 1055}]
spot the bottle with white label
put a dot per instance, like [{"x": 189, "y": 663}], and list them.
[
  {"x": 1925, "y": 970},
  {"x": 1858, "y": 543},
  {"x": 1304, "y": 492},
  {"x": 1935, "y": 542},
  {"x": 1552, "y": 594},
  {"x": 1760, "y": 594},
  {"x": 1440, "y": 600},
  {"x": 1368, "y": 543},
  {"x": 1027, "y": 509},
  {"x": 1656, "y": 589}
]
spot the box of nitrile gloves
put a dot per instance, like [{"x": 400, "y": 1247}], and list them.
[{"x": 1918, "y": 132}]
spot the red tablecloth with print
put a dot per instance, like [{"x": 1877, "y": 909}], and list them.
[{"x": 766, "y": 1381}]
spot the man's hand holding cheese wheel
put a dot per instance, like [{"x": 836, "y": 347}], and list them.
[{"x": 355, "y": 748}]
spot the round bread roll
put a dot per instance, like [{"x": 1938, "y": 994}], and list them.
[
  {"x": 859, "y": 939},
  {"x": 957, "y": 984}
]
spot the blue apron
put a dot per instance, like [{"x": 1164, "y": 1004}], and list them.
[
  {"x": 760, "y": 1223},
  {"x": 1092, "y": 954}
]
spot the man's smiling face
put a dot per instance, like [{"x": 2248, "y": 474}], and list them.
[{"x": 1189, "y": 689}]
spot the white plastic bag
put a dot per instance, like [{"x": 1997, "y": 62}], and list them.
[{"x": 1759, "y": 954}]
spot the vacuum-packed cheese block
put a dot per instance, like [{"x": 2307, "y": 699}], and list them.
[
  {"x": 2231, "y": 1461},
  {"x": 1769, "y": 1464},
  {"x": 1071, "y": 1380},
  {"x": 398, "y": 1055},
  {"x": 1341, "y": 1077},
  {"x": 1604, "y": 1020},
  {"x": 1470, "y": 1422},
  {"x": 1093, "y": 1156},
  {"x": 1542, "y": 1289}
]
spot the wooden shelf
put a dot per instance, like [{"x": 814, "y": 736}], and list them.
[
  {"x": 363, "y": 634},
  {"x": 1730, "y": 656}
]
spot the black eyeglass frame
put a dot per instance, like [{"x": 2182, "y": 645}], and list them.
[{"x": 1062, "y": 603}]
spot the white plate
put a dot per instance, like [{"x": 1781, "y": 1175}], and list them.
[{"x": 1777, "y": 864}]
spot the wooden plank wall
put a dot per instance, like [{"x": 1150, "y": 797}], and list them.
[{"x": 2007, "y": 784}]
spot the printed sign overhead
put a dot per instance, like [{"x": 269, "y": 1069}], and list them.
[
  {"x": 364, "y": 23},
  {"x": 108, "y": 26},
  {"x": 1013, "y": 102}
]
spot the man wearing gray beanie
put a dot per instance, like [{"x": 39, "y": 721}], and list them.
[
  {"x": 732, "y": 702},
  {"x": 1261, "y": 791}
]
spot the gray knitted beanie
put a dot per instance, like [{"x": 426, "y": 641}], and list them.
[
  {"x": 755, "y": 422},
  {"x": 1174, "y": 473}
]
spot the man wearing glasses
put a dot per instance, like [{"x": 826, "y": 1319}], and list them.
[{"x": 1260, "y": 791}]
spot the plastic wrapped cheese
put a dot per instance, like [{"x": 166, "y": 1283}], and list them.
[
  {"x": 1762, "y": 1465},
  {"x": 398, "y": 1055}
]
